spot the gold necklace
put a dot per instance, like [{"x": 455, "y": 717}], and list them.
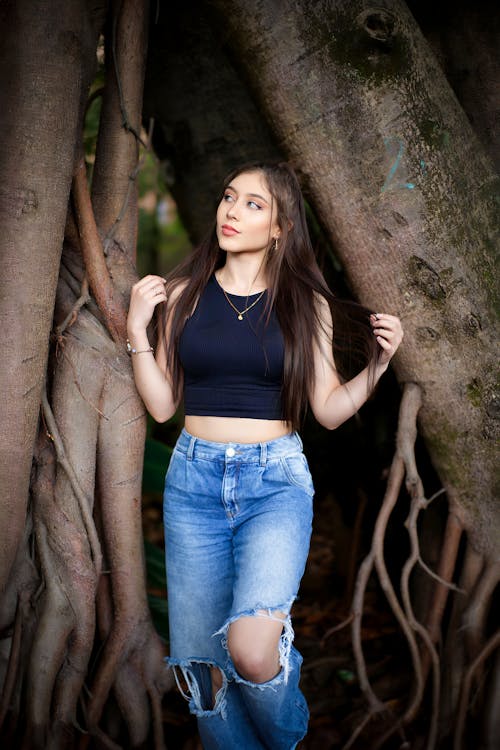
[{"x": 241, "y": 313}]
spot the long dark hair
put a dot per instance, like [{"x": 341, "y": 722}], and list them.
[{"x": 294, "y": 281}]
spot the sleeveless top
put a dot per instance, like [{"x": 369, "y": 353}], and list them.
[{"x": 232, "y": 368}]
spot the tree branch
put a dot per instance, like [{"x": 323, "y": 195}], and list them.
[
  {"x": 73, "y": 313},
  {"x": 101, "y": 285},
  {"x": 84, "y": 502}
]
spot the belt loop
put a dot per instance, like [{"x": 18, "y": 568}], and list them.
[
  {"x": 190, "y": 450},
  {"x": 299, "y": 440},
  {"x": 263, "y": 454}
]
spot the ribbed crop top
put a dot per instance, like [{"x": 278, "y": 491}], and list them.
[{"x": 232, "y": 368}]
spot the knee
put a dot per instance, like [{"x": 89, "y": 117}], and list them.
[{"x": 254, "y": 664}]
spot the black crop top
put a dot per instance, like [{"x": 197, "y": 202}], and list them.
[{"x": 232, "y": 368}]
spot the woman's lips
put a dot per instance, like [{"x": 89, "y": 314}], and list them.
[{"x": 228, "y": 231}]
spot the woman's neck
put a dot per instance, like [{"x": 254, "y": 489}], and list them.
[{"x": 242, "y": 276}]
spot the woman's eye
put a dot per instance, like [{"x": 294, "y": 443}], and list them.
[
  {"x": 253, "y": 204},
  {"x": 227, "y": 197}
]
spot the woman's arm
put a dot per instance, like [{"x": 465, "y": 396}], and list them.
[
  {"x": 152, "y": 377},
  {"x": 333, "y": 402}
]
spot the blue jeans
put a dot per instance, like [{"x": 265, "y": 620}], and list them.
[{"x": 237, "y": 530}]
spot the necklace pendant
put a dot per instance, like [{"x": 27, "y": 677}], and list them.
[{"x": 240, "y": 317}]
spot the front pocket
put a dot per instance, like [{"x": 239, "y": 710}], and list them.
[{"x": 297, "y": 472}]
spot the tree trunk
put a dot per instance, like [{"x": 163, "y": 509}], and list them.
[
  {"x": 85, "y": 510},
  {"x": 406, "y": 193},
  {"x": 44, "y": 74}
]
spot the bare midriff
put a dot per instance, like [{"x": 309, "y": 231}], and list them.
[{"x": 236, "y": 429}]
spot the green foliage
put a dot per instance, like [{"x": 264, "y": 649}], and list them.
[
  {"x": 92, "y": 118},
  {"x": 156, "y": 582},
  {"x": 156, "y": 459},
  {"x": 92, "y": 127},
  {"x": 162, "y": 240}
]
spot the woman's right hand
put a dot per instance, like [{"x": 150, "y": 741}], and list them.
[{"x": 145, "y": 295}]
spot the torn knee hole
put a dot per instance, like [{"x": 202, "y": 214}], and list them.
[
  {"x": 202, "y": 683},
  {"x": 217, "y": 682},
  {"x": 258, "y": 654}
]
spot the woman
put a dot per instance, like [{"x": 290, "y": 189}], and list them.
[{"x": 246, "y": 337}]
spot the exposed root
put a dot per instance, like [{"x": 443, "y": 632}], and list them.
[
  {"x": 155, "y": 697},
  {"x": 106, "y": 741},
  {"x": 406, "y": 437},
  {"x": 131, "y": 646},
  {"x": 403, "y": 464},
  {"x": 359, "y": 730},
  {"x": 474, "y": 617},
  {"x": 65, "y": 628},
  {"x": 376, "y": 706},
  {"x": 418, "y": 504},
  {"x": 84, "y": 503},
  {"x": 492, "y": 644},
  {"x": 13, "y": 665},
  {"x": 73, "y": 313},
  {"x": 449, "y": 552},
  {"x": 407, "y": 433},
  {"x": 426, "y": 655},
  {"x": 81, "y": 390},
  {"x": 106, "y": 296},
  {"x": 335, "y": 629},
  {"x": 17, "y": 621}
]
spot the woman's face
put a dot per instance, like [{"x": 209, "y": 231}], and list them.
[{"x": 247, "y": 215}]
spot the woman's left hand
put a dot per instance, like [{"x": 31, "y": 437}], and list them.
[{"x": 389, "y": 333}]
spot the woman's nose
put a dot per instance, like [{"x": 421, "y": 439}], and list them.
[{"x": 232, "y": 211}]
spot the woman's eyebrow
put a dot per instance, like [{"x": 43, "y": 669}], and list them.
[
  {"x": 249, "y": 195},
  {"x": 256, "y": 195}
]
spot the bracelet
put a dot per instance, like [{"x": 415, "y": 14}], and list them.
[{"x": 131, "y": 350}]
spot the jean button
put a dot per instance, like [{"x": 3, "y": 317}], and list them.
[{"x": 230, "y": 452}]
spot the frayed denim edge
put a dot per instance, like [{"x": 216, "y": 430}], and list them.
[
  {"x": 285, "y": 643},
  {"x": 194, "y": 699}
]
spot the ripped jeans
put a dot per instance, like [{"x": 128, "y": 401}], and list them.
[{"x": 237, "y": 530}]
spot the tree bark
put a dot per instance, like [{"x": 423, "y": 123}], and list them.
[
  {"x": 89, "y": 453},
  {"x": 406, "y": 193},
  {"x": 44, "y": 72}
]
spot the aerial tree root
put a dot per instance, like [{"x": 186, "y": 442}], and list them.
[
  {"x": 478, "y": 584},
  {"x": 449, "y": 551},
  {"x": 101, "y": 401},
  {"x": 86, "y": 502},
  {"x": 64, "y": 636},
  {"x": 489, "y": 647}
]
